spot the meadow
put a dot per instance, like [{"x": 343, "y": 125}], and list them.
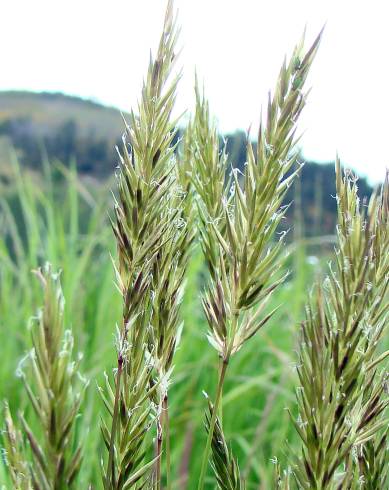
[{"x": 201, "y": 333}]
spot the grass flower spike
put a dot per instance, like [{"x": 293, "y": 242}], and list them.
[
  {"x": 153, "y": 239},
  {"x": 342, "y": 398},
  {"x": 55, "y": 391},
  {"x": 240, "y": 216}
]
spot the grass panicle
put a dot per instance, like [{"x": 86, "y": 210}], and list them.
[
  {"x": 342, "y": 397},
  {"x": 240, "y": 217},
  {"x": 55, "y": 390},
  {"x": 153, "y": 236}
]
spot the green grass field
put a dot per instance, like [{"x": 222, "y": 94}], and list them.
[{"x": 69, "y": 227}]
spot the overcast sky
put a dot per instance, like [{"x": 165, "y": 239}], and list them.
[{"x": 99, "y": 49}]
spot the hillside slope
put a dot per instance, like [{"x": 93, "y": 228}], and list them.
[
  {"x": 49, "y": 111},
  {"x": 65, "y": 127}
]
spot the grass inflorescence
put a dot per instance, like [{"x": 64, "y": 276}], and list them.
[
  {"x": 342, "y": 398},
  {"x": 55, "y": 390}
]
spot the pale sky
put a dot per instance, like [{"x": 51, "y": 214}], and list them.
[{"x": 99, "y": 49}]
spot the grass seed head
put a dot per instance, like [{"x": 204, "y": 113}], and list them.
[{"x": 342, "y": 402}]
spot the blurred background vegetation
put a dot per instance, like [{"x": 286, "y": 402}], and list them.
[{"x": 57, "y": 161}]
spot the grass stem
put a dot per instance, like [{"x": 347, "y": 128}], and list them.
[
  {"x": 115, "y": 417},
  {"x": 158, "y": 462},
  {"x": 165, "y": 408},
  {"x": 219, "y": 392}
]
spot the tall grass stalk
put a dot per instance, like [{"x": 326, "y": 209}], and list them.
[
  {"x": 342, "y": 397},
  {"x": 153, "y": 240},
  {"x": 239, "y": 218},
  {"x": 55, "y": 390}
]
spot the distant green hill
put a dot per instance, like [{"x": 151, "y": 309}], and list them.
[
  {"x": 69, "y": 128},
  {"x": 49, "y": 111},
  {"x": 65, "y": 127}
]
